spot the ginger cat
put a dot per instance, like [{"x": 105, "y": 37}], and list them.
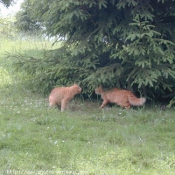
[
  {"x": 62, "y": 95},
  {"x": 123, "y": 98}
]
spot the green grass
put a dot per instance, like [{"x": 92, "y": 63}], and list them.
[{"x": 82, "y": 140}]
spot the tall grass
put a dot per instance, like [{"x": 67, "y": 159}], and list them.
[{"x": 84, "y": 139}]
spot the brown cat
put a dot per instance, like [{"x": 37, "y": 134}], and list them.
[
  {"x": 62, "y": 95},
  {"x": 123, "y": 98}
]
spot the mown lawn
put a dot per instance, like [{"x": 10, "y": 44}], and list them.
[{"x": 84, "y": 139}]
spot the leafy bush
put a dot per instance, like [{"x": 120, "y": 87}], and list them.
[{"x": 128, "y": 44}]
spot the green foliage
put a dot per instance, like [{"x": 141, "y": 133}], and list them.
[
  {"x": 171, "y": 103},
  {"x": 7, "y": 28},
  {"x": 24, "y": 22},
  {"x": 7, "y": 3},
  {"x": 124, "y": 43}
]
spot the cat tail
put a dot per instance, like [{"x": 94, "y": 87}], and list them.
[{"x": 133, "y": 100}]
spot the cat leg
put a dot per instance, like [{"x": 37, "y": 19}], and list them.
[
  {"x": 104, "y": 103},
  {"x": 52, "y": 103},
  {"x": 63, "y": 104},
  {"x": 127, "y": 106}
]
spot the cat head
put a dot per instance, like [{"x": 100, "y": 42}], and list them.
[
  {"x": 99, "y": 90},
  {"x": 78, "y": 88}
]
